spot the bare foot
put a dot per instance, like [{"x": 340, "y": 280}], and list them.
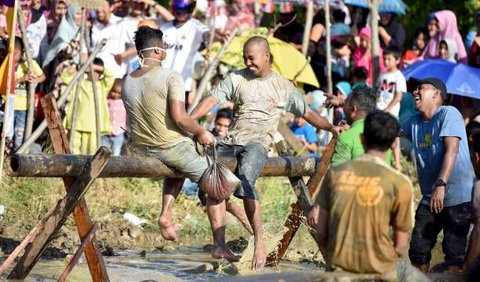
[
  {"x": 259, "y": 257},
  {"x": 167, "y": 230},
  {"x": 224, "y": 252}
]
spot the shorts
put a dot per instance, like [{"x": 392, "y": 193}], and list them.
[
  {"x": 182, "y": 156},
  {"x": 251, "y": 159}
]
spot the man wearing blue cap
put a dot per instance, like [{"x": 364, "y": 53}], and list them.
[{"x": 445, "y": 173}]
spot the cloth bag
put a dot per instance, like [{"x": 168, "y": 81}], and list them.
[{"x": 218, "y": 182}]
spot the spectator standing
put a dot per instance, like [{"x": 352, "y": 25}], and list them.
[
  {"x": 22, "y": 75},
  {"x": 447, "y": 50},
  {"x": 391, "y": 33},
  {"x": 107, "y": 26},
  {"x": 447, "y": 24},
  {"x": 85, "y": 141},
  {"x": 445, "y": 173},
  {"x": 183, "y": 37},
  {"x": 392, "y": 85},
  {"x": 118, "y": 117},
  {"x": 362, "y": 56},
  {"x": 474, "y": 56},
  {"x": 290, "y": 30},
  {"x": 360, "y": 201}
]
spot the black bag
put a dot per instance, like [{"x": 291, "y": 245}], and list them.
[{"x": 217, "y": 180}]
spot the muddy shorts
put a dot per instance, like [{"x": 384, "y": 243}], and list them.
[
  {"x": 250, "y": 161},
  {"x": 182, "y": 157}
]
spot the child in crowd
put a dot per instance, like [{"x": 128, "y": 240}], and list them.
[
  {"x": 391, "y": 85},
  {"x": 85, "y": 141},
  {"x": 421, "y": 38},
  {"x": 118, "y": 117},
  {"x": 447, "y": 50},
  {"x": 22, "y": 75},
  {"x": 359, "y": 77},
  {"x": 362, "y": 57},
  {"x": 222, "y": 123},
  {"x": 306, "y": 134}
]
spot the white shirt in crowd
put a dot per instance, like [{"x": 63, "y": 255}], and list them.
[
  {"x": 181, "y": 44},
  {"x": 116, "y": 42},
  {"x": 389, "y": 83}
]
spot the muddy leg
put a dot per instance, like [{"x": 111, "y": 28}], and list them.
[
  {"x": 171, "y": 189},
  {"x": 240, "y": 214},
  {"x": 252, "y": 208},
  {"x": 218, "y": 218}
]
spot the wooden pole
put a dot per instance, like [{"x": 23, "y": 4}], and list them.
[
  {"x": 31, "y": 86},
  {"x": 373, "y": 5},
  {"x": 78, "y": 254},
  {"x": 98, "y": 118},
  {"x": 211, "y": 68},
  {"x": 308, "y": 27},
  {"x": 8, "y": 115},
  {"x": 61, "y": 100},
  {"x": 79, "y": 83},
  {"x": 294, "y": 219},
  {"x": 62, "y": 209},
  {"x": 81, "y": 215}
]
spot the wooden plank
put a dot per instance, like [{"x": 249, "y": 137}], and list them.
[
  {"x": 81, "y": 216},
  {"x": 90, "y": 236},
  {"x": 61, "y": 211},
  {"x": 291, "y": 139},
  {"x": 294, "y": 219}
]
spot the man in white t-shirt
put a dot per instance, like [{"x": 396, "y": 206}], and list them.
[
  {"x": 183, "y": 37},
  {"x": 106, "y": 26}
]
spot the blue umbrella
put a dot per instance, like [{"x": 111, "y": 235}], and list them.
[
  {"x": 386, "y": 6},
  {"x": 460, "y": 79}
]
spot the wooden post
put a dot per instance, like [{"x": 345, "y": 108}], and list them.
[
  {"x": 31, "y": 87},
  {"x": 80, "y": 213},
  {"x": 308, "y": 27},
  {"x": 97, "y": 108},
  {"x": 294, "y": 219},
  {"x": 61, "y": 100},
  {"x": 373, "y": 5},
  {"x": 61, "y": 210},
  {"x": 79, "y": 83},
  {"x": 78, "y": 253}
]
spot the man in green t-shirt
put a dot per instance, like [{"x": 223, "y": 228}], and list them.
[
  {"x": 360, "y": 201},
  {"x": 356, "y": 107}
]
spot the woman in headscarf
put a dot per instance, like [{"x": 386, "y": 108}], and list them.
[
  {"x": 474, "y": 56},
  {"x": 362, "y": 56},
  {"x": 447, "y": 23}
]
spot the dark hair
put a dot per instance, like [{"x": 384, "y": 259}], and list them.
[
  {"x": 476, "y": 142},
  {"x": 380, "y": 130},
  {"x": 98, "y": 62},
  {"x": 146, "y": 37},
  {"x": 111, "y": 2},
  {"x": 19, "y": 44},
  {"x": 338, "y": 15},
  {"x": 472, "y": 128},
  {"x": 424, "y": 31},
  {"x": 360, "y": 73},
  {"x": 224, "y": 113},
  {"x": 393, "y": 50},
  {"x": 364, "y": 98}
]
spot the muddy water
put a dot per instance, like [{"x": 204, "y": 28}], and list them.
[{"x": 187, "y": 264}]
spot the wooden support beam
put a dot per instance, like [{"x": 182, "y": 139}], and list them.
[
  {"x": 136, "y": 166},
  {"x": 78, "y": 254},
  {"x": 81, "y": 216},
  {"x": 59, "y": 215},
  {"x": 294, "y": 219}
]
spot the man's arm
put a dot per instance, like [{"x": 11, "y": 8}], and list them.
[
  {"x": 400, "y": 242},
  {"x": 203, "y": 108},
  {"x": 185, "y": 122},
  {"x": 451, "y": 144},
  {"x": 320, "y": 122},
  {"x": 397, "y": 97}
]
